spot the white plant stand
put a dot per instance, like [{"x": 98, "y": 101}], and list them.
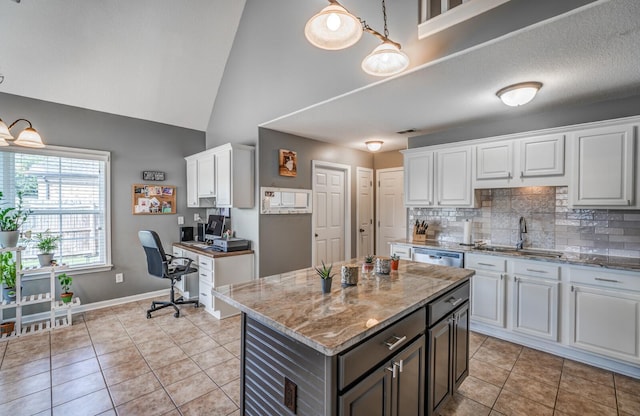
[{"x": 61, "y": 313}]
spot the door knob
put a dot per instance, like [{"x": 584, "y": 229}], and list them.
[
  {"x": 361, "y": 230},
  {"x": 316, "y": 234}
]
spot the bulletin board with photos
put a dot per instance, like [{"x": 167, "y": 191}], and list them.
[{"x": 153, "y": 199}]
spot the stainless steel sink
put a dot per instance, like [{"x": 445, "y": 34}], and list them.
[{"x": 521, "y": 252}]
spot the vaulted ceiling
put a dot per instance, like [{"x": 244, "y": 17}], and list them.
[{"x": 225, "y": 68}]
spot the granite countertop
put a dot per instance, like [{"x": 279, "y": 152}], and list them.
[
  {"x": 201, "y": 248},
  {"x": 293, "y": 303},
  {"x": 591, "y": 260}
]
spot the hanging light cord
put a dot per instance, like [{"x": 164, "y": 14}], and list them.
[{"x": 385, "y": 37}]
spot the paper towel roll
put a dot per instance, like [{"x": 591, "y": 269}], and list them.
[{"x": 466, "y": 239}]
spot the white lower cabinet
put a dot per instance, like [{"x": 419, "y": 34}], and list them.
[
  {"x": 535, "y": 307},
  {"x": 487, "y": 289},
  {"x": 401, "y": 250}
]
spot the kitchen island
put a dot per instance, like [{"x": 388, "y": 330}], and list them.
[{"x": 392, "y": 344}]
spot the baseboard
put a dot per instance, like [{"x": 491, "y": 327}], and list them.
[
  {"x": 42, "y": 316},
  {"x": 560, "y": 350}
]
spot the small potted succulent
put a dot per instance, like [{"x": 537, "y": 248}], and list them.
[
  {"x": 367, "y": 266},
  {"x": 395, "y": 261},
  {"x": 47, "y": 244},
  {"x": 11, "y": 219},
  {"x": 325, "y": 277},
  {"x": 8, "y": 276},
  {"x": 65, "y": 282}
]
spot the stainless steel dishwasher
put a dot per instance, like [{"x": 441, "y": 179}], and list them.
[{"x": 437, "y": 256}]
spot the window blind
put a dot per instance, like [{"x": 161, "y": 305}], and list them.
[{"x": 67, "y": 193}]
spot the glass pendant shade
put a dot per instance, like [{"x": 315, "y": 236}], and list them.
[
  {"x": 519, "y": 94},
  {"x": 386, "y": 59},
  {"x": 333, "y": 28},
  {"x": 29, "y": 137},
  {"x": 4, "y": 134}
]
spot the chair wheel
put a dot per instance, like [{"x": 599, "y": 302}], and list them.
[
  {"x": 176, "y": 315},
  {"x": 148, "y": 315},
  {"x": 196, "y": 305}
]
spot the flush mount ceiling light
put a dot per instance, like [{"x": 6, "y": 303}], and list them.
[
  {"x": 374, "y": 145},
  {"x": 335, "y": 28},
  {"x": 519, "y": 94},
  {"x": 28, "y": 137}
]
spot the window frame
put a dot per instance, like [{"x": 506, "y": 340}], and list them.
[{"x": 89, "y": 154}]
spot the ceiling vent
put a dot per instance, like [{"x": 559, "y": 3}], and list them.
[{"x": 406, "y": 131}]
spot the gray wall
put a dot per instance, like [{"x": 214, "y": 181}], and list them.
[
  {"x": 135, "y": 145},
  {"x": 549, "y": 118},
  {"x": 272, "y": 70},
  {"x": 285, "y": 240}
]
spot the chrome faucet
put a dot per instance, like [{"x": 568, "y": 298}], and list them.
[{"x": 522, "y": 229}]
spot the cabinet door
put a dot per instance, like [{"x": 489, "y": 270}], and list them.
[
  {"x": 535, "y": 307},
  {"x": 606, "y": 322},
  {"x": 487, "y": 297},
  {"x": 542, "y": 156},
  {"x": 206, "y": 173},
  {"x": 440, "y": 356},
  {"x": 370, "y": 397},
  {"x": 603, "y": 171},
  {"x": 453, "y": 177},
  {"x": 418, "y": 179},
  {"x": 461, "y": 345},
  {"x": 408, "y": 389},
  {"x": 494, "y": 160},
  {"x": 223, "y": 178},
  {"x": 192, "y": 183}
]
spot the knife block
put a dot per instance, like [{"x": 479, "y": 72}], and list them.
[{"x": 418, "y": 238}]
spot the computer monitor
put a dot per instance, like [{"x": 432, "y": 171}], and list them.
[{"x": 215, "y": 226}]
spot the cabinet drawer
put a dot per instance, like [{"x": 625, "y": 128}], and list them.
[
  {"x": 444, "y": 305},
  {"x": 380, "y": 346},
  {"x": 205, "y": 262},
  {"x": 206, "y": 276},
  {"x": 537, "y": 269},
  {"x": 404, "y": 252},
  {"x": 493, "y": 263},
  {"x": 204, "y": 295},
  {"x": 606, "y": 278}
]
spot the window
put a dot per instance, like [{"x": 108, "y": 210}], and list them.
[
  {"x": 438, "y": 15},
  {"x": 67, "y": 191}
]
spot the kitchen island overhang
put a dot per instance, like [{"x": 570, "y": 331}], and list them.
[{"x": 299, "y": 346}]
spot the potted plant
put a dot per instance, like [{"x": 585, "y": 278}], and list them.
[
  {"x": 8, "y": 276},
  {"x": 65, "y": 282},
  {"x": 326, "y": 277},
  {"x": 46, "y": 244},
  {"x": 395, "y": 261},
  {"x": 367, "y": 266},
  {"x": 11, "y": 219}
]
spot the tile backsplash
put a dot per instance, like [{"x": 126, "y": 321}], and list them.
[{"x": 551, "y": 224}]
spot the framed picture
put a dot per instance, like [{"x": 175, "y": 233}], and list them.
[
  {"x": 152, "y": 175},
  {"x": 288, "y": 162},
  {"x": 154, "y": 199}
]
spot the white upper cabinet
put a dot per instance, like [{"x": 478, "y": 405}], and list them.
[
  {"x": 532, "y": 161},
  {"x": 604, "y": 166},
  {"x": 224, "y": 177},
  {"x": 440, "y": 178}
]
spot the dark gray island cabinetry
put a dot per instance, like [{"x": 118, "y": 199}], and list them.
[{"x": 393, "y": 344}]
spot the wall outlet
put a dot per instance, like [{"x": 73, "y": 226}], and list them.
[
  {"x": 180, "y": 220},
  {"x": 119, "y": 277},
  {"x": 196, "y": 217}
]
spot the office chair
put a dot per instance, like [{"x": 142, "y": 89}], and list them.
[{"x": 160, "y": 265}]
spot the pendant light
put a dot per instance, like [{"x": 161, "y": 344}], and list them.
[
  {"x": 333, "y": 28},
  {"x": 28, "y": 137},
  {"x": 519, "y": 94}
]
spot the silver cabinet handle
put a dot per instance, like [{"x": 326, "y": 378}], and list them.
[
  {"x": 400, "y": 365},
  {"x": 203, "y": 294},
  {"x": 602, "y": 279},
  {"x": 509, "y": 175},
  {"x": 521, "y": 174},
  {"x": 455, "y": 302},
  {"x": 537, "y": 271},
  {"x": 487, "y": 264},
  {"x": 394, "y": 341},
  {"x": 393, "y": 369}
]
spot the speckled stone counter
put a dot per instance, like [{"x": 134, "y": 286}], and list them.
[
  {"x": 591, "y": 260},
  {"x": 293, "y": 303}
]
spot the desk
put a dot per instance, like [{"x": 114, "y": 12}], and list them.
[{"x": 214, "y": 269}]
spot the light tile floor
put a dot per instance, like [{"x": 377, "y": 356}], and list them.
[{"x": 115, "y": 361}]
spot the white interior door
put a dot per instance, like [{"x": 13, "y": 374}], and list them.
[
  {"x": 391, "y": 213},
  {"x": 364, "y": 216},
  {"x": 331, "y": 212}
]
